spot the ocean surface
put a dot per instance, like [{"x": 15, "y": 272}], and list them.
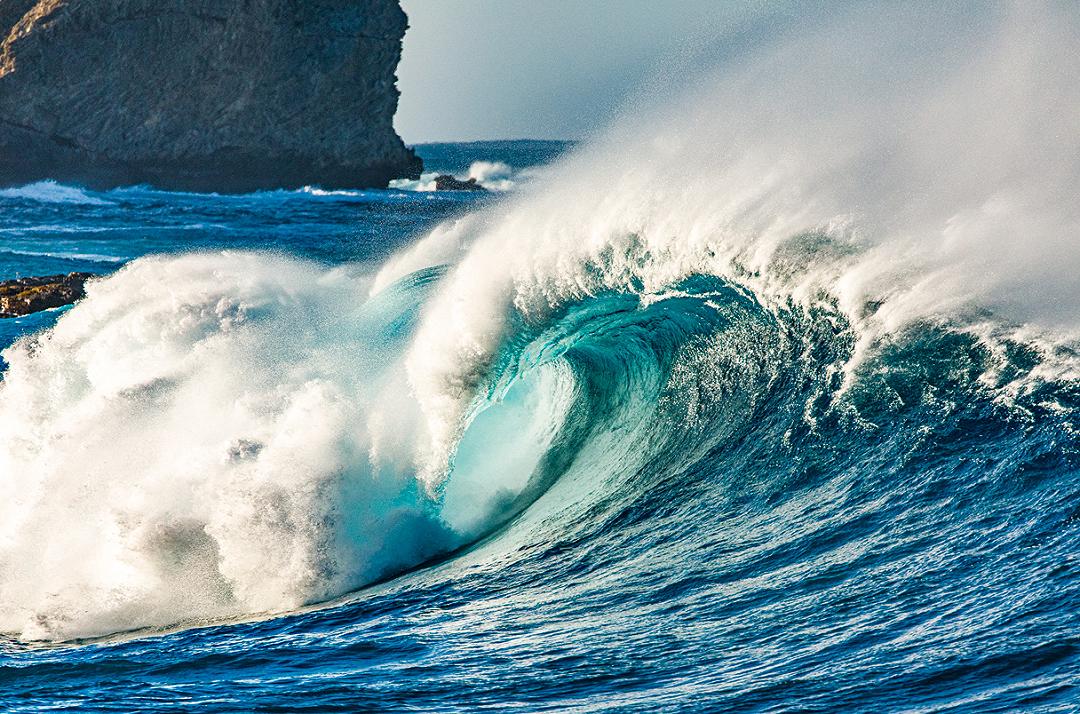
[{"x": 707, "y": 414}]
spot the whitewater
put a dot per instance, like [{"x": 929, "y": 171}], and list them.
[{"x": 764, "y": 399}]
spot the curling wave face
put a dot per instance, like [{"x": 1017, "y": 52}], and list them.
[
  {"x": 886, "y": 199},
  {"x": 797, "y": 386}
]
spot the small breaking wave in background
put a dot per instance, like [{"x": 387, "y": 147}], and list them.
[
  {"x": 767, "y": 399},
  {"x": 52, "y": 192},
  {"x": 492, "y": 175}
]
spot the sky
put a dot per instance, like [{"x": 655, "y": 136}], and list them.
[{"x": 546, "y": 69}]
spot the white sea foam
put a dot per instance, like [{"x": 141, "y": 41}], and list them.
[
  {"x": 426, "y": 182},
  {"x": 212, "y": 435},
  {"x": 53, "y": 192},
  {"x": 492, "y": 175}
]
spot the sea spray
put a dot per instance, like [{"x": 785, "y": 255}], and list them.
[
  {"x": 922, "y": 173},
  {"x": 207, "y": 436}
]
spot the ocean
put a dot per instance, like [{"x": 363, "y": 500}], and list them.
[{"x": 705, "y": 414}]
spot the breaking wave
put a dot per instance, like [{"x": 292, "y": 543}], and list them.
[
  {"x": 826, "y": 284},
  {"x": 52, "y": 192}
]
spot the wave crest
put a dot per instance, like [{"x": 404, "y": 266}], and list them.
[{"x": 53, "y": 192}]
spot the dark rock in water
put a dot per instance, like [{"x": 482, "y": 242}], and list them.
[
  {"x": 446, "y": 182},
  {"x": 201, "y": 95},
  {"x": 26, "y": 295}
]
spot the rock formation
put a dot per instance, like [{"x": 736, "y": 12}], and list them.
[
  {"x": 446, "y": 182},
  {"x": 26, "y": 295},
  {"x": 202, "y": 95}
]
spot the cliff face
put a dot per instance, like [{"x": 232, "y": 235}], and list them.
[{"x": 202, "y": 95}]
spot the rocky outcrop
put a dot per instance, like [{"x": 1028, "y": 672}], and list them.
[
  {"x": 27, "y": 295},
  {"x": 202, "y": 95},
  {"x": 446, "y": 182}
]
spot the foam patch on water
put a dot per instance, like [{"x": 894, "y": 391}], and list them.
[{"x": 317, "y": 192}]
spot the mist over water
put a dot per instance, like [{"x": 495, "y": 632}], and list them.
[{"x": 766, "y": 398}]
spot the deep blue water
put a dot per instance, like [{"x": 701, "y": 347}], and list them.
[{"x": 717, "y": 524}]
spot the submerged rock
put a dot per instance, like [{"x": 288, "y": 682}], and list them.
[
  {"x": 446, "y": 182},
  {"x": 201, "y": 95},
  {"x": 27, "y": 295}
]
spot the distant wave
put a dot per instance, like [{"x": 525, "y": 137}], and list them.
[
  {"x": 90, "y": 257},
  {"x": 53, "y": 192},
  {"x": 64, "y": 228},
  {"x": 492, "y": 175},
  {"x": 314, "y": 193},
  {"x": 327, "y": 193},
  {"x": 82, "y": 229}
]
